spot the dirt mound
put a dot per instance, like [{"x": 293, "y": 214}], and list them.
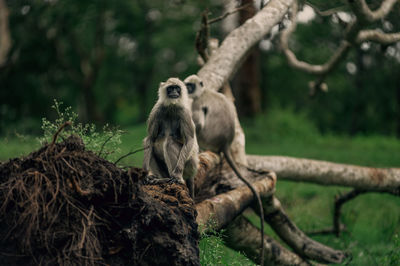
[{"x": 65, "y": 205}]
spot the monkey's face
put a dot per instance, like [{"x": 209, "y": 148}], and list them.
[
  {"x": 191, "y": 87},
  {"x": 194, "y": 86},
  {"x": 173, "y": 91}
]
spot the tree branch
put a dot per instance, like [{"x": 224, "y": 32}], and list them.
[
  {"x": 223, "y": 208},
  {"x": 378, "y": 36},
  {"x": 5, "y": 38},
  {"x": 211, "y": 21},
  {"x": 337, "y": 56},
  {"x": 221, "y": 66},
  {"x": 288, "y": 232},
  {"x": 364, "y": 13},
  {"x": 243, "y": 236},
  {"x": 325, "y": 13},
  {"x": 327, "y": 173}
]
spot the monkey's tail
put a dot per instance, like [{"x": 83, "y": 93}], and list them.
[{"x": 232, "y": 164}]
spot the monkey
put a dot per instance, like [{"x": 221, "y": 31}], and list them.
[
  {"x": 214, "y": 116},
  {"x": 172, "y": 153}
]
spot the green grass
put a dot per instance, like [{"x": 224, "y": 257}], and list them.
[{"x": 372, "y": 220}]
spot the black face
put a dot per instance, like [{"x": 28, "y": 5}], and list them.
[
  {"x": 173, "y": 91},
  {"x": 191, "y": 87}
]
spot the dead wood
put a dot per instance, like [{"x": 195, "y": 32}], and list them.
[
  {"x": 295, "y": 238},
  {"x": 326, "y": 173},
  {"x": 242, "y": 235},
  {"x": 339, "y": 201},
  {"x": 223, "y": 208}
]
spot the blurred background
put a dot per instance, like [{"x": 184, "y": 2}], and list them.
[{"x": 105, "y": 59}]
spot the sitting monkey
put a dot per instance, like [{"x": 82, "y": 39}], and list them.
[{"x": 172, "y": 153}]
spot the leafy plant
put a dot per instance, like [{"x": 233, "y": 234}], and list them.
[{"x": 103, "y": 143}]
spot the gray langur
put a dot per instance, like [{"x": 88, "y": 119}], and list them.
[
  {"x": 214, "y": 116},
  {"x": 172, "y": 153}
]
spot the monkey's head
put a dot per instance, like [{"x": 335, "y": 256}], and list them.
[
  {"x": 194, "y": 86},
  {"x": 173, "y": 91}
]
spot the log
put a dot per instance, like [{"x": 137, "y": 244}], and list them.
[{"x": 327, "y": 173}]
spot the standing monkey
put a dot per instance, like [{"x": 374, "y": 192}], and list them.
[
  {"x": 214, "y": 117},
  {"x": 172, "y": 153}
]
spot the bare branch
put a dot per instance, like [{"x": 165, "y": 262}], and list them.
[
  {"x": 215, "y": 209},
  {"x": 222, "y": 65},
  {"x": 337, "y": 56},
  {"x": 378, "y": 36},
  {"x": 211, "y": 21},
  {"x": 327, "y": 173},
  {"x": 5, "y": 38},
  {"x": 339, "y": 201},
  {"x": 243, "y": 236},
  {"x": 288, "y": 232},
  {"x": 364, "y": 13},
  {"x": 325, "y": 13}
]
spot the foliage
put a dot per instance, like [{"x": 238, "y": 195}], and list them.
[
  {"x": 103, "y": 143},
  {"x": 214, "y": 252},
  {"x": 392, "y": 258}
]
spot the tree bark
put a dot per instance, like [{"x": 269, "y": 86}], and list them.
[
  {"x": 242, "y": 235},
  {"x": 247, "y": 82},
  {"x": 220, "y": 67},
  {"x": 220, "y": 210},
  {"x": 295, "y": 238},
  {"x": 5, "y": 38},
  {"x": 327, "y": 173}
]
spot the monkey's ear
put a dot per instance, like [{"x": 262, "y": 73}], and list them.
[
  {"x": 162, "y": 84},
  {"x": 201, "y": 83}
]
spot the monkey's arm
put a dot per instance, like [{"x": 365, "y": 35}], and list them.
[
  {"x": 147, "y": 154},
  {"x": 187, "y": 131},
  {"x": 198, "y": 119}
]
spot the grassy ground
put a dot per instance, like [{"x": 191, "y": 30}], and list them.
[{"x": 372, "y": 220}]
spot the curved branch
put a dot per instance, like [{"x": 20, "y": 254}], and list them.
[
  {"x": 363, "y": 12},
  {"x": 220, "y": 67},
  {"x": 378, "y": 36},
  {"x": 339, "y": 201},
  {"x": 327, "y": 173},
  {"x": 5, "y": 39},
  {"x": 288, "y": 232},
  {"x": 337, "y": 56}
]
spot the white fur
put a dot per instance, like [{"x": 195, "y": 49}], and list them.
[
  {"x": 199, "y": 89},
  {"x": 162, "y": 93}
]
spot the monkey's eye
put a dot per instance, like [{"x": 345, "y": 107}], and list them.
[
  {"x": 173, "y": 91},
  {"x": 191, "y": 87}
]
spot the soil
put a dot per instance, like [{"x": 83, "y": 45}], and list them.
[{"x": 65, "y": 205}]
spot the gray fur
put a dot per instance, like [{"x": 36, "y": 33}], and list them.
[
  {"x": 173, "y": 148},
  {"x": 214, "y": 116}
]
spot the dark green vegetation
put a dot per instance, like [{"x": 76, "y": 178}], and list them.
[
  {"x": 372, "y": 220},
  {"x": 106, "y": 59}
]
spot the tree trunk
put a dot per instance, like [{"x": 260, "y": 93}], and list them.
[
  {"x": 327, "y": 173},
  {"x": 246, "y": 88}
]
